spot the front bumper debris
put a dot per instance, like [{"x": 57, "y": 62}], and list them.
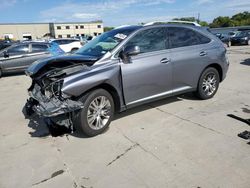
[{"x": 50, "y": 107}]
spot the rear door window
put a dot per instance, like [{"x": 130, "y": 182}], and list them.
[
  {"x": 181, "y": 37},
  {"x": 150, "y": 40},
  {"x": 39, "y": 47}
]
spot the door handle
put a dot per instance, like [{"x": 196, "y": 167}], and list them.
[
  {"x": 165, "y": 60},
  {"x": 203, "y": 53}
]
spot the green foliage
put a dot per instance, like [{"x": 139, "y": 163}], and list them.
[
  {"x": 108, "y": 29},
  {"x": 222, "y": 21},
  {"x": 192, "y": 19},
  {"x": 239, "y": 19},
  {"x": 204, "y": 23},
  {"x": 189, "y": 19}
]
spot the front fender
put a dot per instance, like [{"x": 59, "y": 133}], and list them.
[{"x": 78, "y": 84}]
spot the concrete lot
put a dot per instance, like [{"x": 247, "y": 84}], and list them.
[{"x": 176, "y": 142}]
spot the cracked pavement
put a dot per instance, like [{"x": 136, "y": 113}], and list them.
[{"x": 176, "y": 142}]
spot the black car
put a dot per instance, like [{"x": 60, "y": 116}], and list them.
[
  {"x": 242, "y": 37},
  {"x": 6, "y": 43},
  {"x": 224, "y": 38},
  {"x": 17, "y": 57}
]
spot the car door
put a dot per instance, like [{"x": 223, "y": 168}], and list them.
[
  {"x": 189, "y": 56},
  {"x": 149, "y": 74},
  {"x": 37, "y": 51},
  {"x": 12, "y": 58}
]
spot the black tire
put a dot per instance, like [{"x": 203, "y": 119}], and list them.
[
  {"x": 1, "y": 73},
  {"x": 202, "y": 91},
  {"x": 74, "y": 50},
  {"x": 81, "y": 120}
]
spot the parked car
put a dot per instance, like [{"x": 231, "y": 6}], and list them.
[
  {"x": 226, "y": 39},
  {"x": 68, "y": 45},
  {"x": 242, "y": 37},
  {"x": 123, "y": 68},
  {"x": 17, "y": 57},
  {"x": 84, "y": 39},
  {"x": 232, "y": 33},
  {"x": 6, "y": 43}
]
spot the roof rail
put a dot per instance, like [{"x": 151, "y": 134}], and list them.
[
  {"x": 121, "y": 26},
  {"x": 173, "y": 21}
]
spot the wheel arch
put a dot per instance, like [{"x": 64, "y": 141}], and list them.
[
  {"x": 110, "y": 89},
  {"x": 218, "y": 68}
]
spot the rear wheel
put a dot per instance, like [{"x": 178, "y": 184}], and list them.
[
  {"x": 208, "y": 83},
  {"x": 1, "y": 73},
  {"x": 97, "y": 113},
  {"x": 73, "y": 50}
]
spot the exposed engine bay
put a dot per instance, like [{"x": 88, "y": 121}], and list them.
[{"x": 47, "y": 99}]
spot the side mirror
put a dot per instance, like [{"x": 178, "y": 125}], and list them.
[
  {"x": 131, "y": 50},
  {"x": 5, "y": 54}
]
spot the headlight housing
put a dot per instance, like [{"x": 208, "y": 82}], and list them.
[{"x": 53, "y": 89}]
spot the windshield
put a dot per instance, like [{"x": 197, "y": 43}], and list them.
[
  {"x": 241, "y": 34},
  {"x": 105, "y": 42}
]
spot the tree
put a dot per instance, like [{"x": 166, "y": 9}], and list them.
[
  {"x": 189, "y": 19},
  {"x": 222, "y": 21},
  {"x": 204, "y": 23},
  {"x": 239, "y": 19},
  {"x": 108, "y": 29}
]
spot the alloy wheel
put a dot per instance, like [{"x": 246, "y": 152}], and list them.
[
  {"x": 98, "y": 113},
  {"x": 209, "y": 84}
]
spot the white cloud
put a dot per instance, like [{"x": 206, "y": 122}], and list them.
[
  {"x": 7, "y": 3},
  {"x": 243, "y": 4},
  {"x": 70, "y": 11},
  {"x": 84, "y": 15},
  {"x": 202, "y": 2}
]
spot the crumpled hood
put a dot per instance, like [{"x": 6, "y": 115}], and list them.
[{"x": 59, "y": 62}]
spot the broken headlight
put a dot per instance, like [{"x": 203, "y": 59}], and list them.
[{"x": 53, "y": 89}]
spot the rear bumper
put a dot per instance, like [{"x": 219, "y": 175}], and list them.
[{"x": 238, "y": 41}]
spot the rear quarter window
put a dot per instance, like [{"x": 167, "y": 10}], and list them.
[
  {"x": 181, "y": 37},
  {"x": 39, "y": 47}
]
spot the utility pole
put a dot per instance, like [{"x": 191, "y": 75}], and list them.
[{"x": 198, "y": 19}]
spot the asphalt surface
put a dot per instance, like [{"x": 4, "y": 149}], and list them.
[{"x": 176, "y": 142}]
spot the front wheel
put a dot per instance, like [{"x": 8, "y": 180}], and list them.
[
  {"x": 97, "y": 113},
  {"x": 208, "y": 83}
]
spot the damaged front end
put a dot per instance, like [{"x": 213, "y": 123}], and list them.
[
  {"x": 46, "y": 97},
  {"x": 50, "y": 103}
]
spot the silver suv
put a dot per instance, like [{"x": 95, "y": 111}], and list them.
[{"x": 123, "y": 68}]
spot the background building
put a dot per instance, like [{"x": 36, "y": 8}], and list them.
[
  {"x": 67, "y": 30},
  {"x": 22, "y": 31}
]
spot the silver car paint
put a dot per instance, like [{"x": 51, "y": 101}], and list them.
[
  {"x": 146, "y": 78},
  {"x": 19, "y": 62}
]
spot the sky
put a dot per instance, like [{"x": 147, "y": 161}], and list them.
[{"x": 116, "y": 12}]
